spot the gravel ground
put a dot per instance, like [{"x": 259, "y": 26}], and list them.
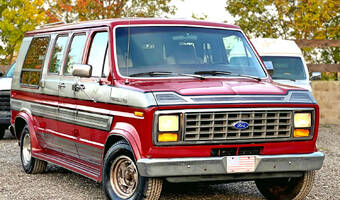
[{"x": 58, "y": 183}]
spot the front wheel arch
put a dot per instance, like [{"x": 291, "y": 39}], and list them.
[{"x": 146, "y": 188}]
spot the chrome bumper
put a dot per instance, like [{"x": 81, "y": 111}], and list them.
[{"x": 160, "y": 167}]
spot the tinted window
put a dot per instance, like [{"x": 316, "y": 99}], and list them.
[
  {"x": 75, "y": 53},
  {"x": 286, "y": 67},
  {"x": 98, "y": 53},
  {"x": 184, "y": 50},
  {"x": 57, "y": 55},
  {"x": 34, "y": 60}
]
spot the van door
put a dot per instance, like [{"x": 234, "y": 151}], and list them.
[
  {"x": 50, "y": 88},
  {"x": 68, "y": 126},
  {"x": 91, "y": 111}
]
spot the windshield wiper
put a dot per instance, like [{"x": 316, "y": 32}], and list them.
[
  {"x": 214, "y": 73},
  {"x": 158, "y": 73}
]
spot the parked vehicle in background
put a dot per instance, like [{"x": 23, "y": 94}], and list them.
[
  {"x": 134, "y": 102},
  {"x": 286, "y": 60},
  {"x": 5, "y": 88}
]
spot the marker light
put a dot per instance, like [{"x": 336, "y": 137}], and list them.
[
  {"x": 301, "y": 132},
  {"x": 167, "y": 137}
]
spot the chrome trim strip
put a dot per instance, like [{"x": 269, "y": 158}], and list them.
[
  {"x": 91, "y": 142},
  {"x": 236, "y": 99},
  {"x": 228, "y": 110},
  {"x": 162, "y": 167},
  {"x": 61, "y": 134}
]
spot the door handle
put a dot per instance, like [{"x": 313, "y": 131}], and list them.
[{"x": 61, "y": 85}]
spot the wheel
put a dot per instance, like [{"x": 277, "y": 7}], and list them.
[
  {"x": 2, "y": 132},
  {"x": 296, "y": 188},
  {"x": 30, "y": 164},
  {"x": 121, "y": 179}
]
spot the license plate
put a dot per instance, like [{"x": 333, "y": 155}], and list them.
[{"x": 240, "y": 164}]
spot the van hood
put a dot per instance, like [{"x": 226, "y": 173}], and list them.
[
  {"x": 5, "y": 83},
  {"x": 209, "y": 91},
  {"x": 212, "y": 86}
]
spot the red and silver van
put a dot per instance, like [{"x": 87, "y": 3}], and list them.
[{"x": 132, "y": 103}]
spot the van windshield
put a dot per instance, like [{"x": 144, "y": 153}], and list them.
[
  {"x": 151, "y": 51},
  {"x": 285, "y": 67}
]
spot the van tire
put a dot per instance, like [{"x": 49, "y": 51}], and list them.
[
  {"x": 30, "y": 164},
  {"x": 296, "y": 188},
  {"x": 119, "y": 158}
]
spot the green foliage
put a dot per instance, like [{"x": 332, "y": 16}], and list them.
[
  {"x": 293, "y": 19},
  {"x": 202, "y": 17},
  {"x": 18, "y": 17},
  {"x": 74, "y": 10}
]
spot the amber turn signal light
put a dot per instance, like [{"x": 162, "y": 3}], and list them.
[
  {"x": 301, "y": 132},
  {"x": 167, "y": 137}
]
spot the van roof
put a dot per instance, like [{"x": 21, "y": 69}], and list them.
[
  {"x": 125, "y": 21},
  {"x": 271, "y": 46}
]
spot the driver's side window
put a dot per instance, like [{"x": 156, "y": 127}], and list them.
[{"x": 75, "y": 53}]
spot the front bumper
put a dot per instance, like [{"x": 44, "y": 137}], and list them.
[{"x": 175, "y": 167}]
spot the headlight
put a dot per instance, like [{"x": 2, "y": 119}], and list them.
[
  {"x": 168, "y": 127},
  {"x": 168, "y": 123},
  {"x": 302, "y": 124},
  {"x": 302, "y": 120}
]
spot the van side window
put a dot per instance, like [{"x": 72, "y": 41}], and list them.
[
  {"x": 75, "y": 53},
  {"x": 57, "y": 55},
  {"x": 34, "y": 60},
  {"x": 97, "y": 55}
]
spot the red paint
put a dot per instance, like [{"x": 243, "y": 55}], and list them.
[{"x": 138, "y": 132}]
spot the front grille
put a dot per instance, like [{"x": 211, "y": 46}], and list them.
[
  {"x": 219, "y": 126},
  {"x": 4, "y": 100}
]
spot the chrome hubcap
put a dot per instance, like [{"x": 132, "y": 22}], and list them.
[
  {"x": 124, "y": 177},
  {"x": 26, "y": 149}
]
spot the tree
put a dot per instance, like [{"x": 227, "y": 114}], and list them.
[
  {"x": 18, "y": 17},
  {"x": 297, "y": 19},
  {"x": 293, "y": 19},
  {"x": 74, "y": 10}
]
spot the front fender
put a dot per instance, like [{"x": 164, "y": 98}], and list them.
[
  {"x": 30, "y": 123},
  {"x": 130, "y": 134}
]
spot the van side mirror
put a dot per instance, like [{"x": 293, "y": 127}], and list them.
[
  {"x": 82, "y": 70},
  {"x": 269, "y": 66},
  {"x": 1, "y": 74},
  {"x": 315, "y": 76}
]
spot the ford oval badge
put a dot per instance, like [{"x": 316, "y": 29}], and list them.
[{"x": 240, "y": 125}]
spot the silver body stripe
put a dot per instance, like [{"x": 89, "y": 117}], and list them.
[{"x": 74, "y": 116}]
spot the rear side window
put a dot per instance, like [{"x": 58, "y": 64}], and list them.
[
  {"x": 97, "y": 57},
  {"x": 34, "y": 60},
  {"x": 75, "y": 53},
  {"x": 57, "y": 55}
]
